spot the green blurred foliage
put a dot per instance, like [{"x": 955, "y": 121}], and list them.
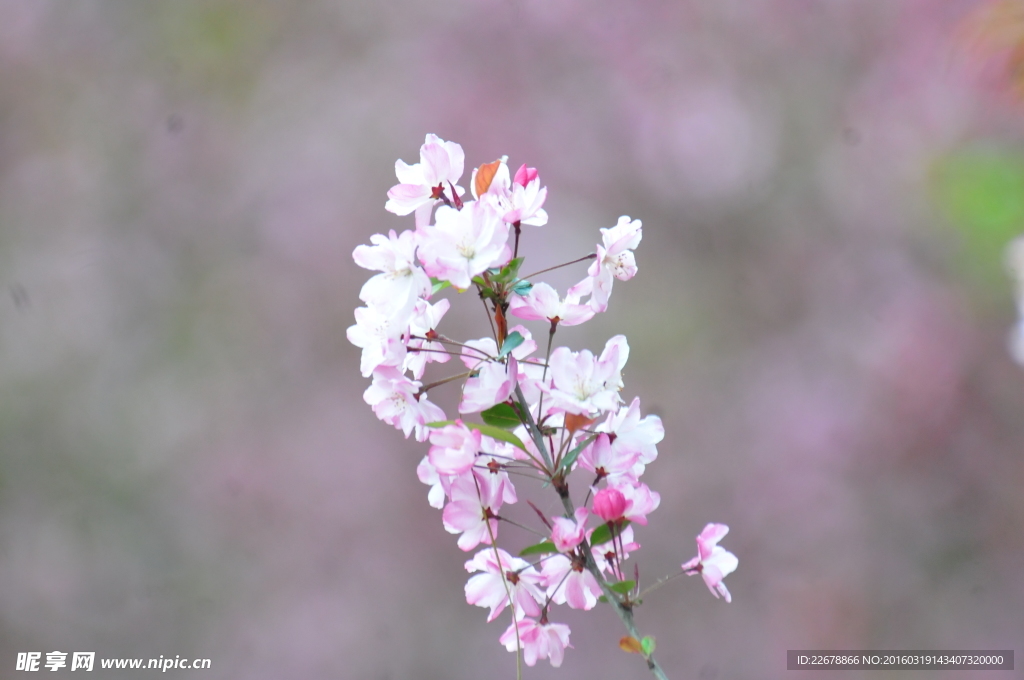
[{"x": 981, "y": 192}]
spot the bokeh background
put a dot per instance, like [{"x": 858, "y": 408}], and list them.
[{"x": 186, "y": 463}]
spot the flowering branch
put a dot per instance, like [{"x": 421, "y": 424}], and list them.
[{"x": 542, "y": 420}]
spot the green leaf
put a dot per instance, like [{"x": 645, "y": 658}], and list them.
[
  {"x": 539, "y": 549},
  {"x": 489, "y": 430},
  {"x": 438, "y": 285},
  {"x": 602, "y": 598},
  {"x": 522, "y": 287},
  {"x": 647, "y": 644},
  {"x": 623, "y": 587},
  {"x": 501, "y": 415},
  {"x": 603, "y": 534},
  {"x": 514, "y": 339},
  {"x": 980, "y": 189},
  {"x": 508, "y": 273},
  {"x": 499, "y": 434},
  {"x": 570, "y": 457}
]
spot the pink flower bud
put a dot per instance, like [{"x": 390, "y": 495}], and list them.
[
  {"x": 609, "y": 504},
  {"x": 525, "y": 175}
]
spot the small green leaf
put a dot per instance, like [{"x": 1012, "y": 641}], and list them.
[
  {"x": 522, "y": 287},
  {"x": 508, "y": 273},
  {"x": 623, "y": 587},
  {"x": 499, "y": 434},
  {"x": 602, "y": 598},
  {"x": 514, "y": 339},
  {"x": 539, "y": 549},
  {"x": 647, "y": 644},
  {"x": 570, "y": 457},
  {"x": 489, "y": 430},
  {"x": 438, "y": 285},
  {"x": 603, "y": 534},
  {"x": 501, "y": 415}
]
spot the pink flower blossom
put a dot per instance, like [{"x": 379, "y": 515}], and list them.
[
  {"x": 492, "y": 384},
  {"x": 427, "y": 474},
  {"x": 394, "y": 399},
  {"x": 569, "y": 582},
  {"x": 463, "y": 243},
  {"x": 478, "y": 351},
  {"x": 379, "y": 335},
  {"x": 713, "y": 562},
  {"x": 489, "y": 588},
  {"x": 527, "y": 197},
  {"x": 491, "y": 465},
  {"x": 568, "y": 532},
  {"x": 582, "y": 384},
  {"x": 516, "y": 201},
  {"x": 538, "y": 640},
  {"x": 610, "y": 555},
  {"x": 401, "y": 280},
  {"x": 528, "y": 371},
  {"x": 604, "y": 459},
  {"x": 629, "y": 434},
  {"x": 455, "y": 448},
  {"x": 616, "y": 351},
  {"x": 640, "y": 500},
  {"x": 494, "y": 381},
  {"x": 542, "y": 302},
  {"x": 475, "y": 501},
  {"x": 609, "y": 504},
  {"x": 440, "y": 167},
  {"x": 614, "y": 259},
  {"x": 423, "y": 324}
]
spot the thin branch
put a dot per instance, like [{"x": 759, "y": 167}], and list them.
[
  {"x": 438, "y": 383},
  {"x": 540, "y": 514},
  {"x": 659, "y": 583},
  {"x": 559, "y": 266},
  {"x": 436, "y": 351},
  {"x": 488, "y": 312},
  {"x": 521, "y": 526},
  {"x": 449, "y": 341},
  {"x": 508, "y": 591},
  {"x": 531, "y": 426}
]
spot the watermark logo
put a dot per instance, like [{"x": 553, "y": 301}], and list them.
[{"x": 86, "y": 661}]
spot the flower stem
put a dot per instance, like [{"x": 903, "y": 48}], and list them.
[
  {"x": 659, "y": 583},
  {"x": 625, "y": 613},
  {"x": 591, "y": 256},
  {"x": 438, "y": 383},
  {"x": 531, "y": 426}
]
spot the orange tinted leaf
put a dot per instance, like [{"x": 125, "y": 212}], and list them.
[
  {"x": 484, "y": 174},
  {"x": 574, "y": 422},
  {"x": 630, "y": 644}
]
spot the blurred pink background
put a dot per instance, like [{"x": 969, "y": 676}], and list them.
[{"x": 186, "y": 463}]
